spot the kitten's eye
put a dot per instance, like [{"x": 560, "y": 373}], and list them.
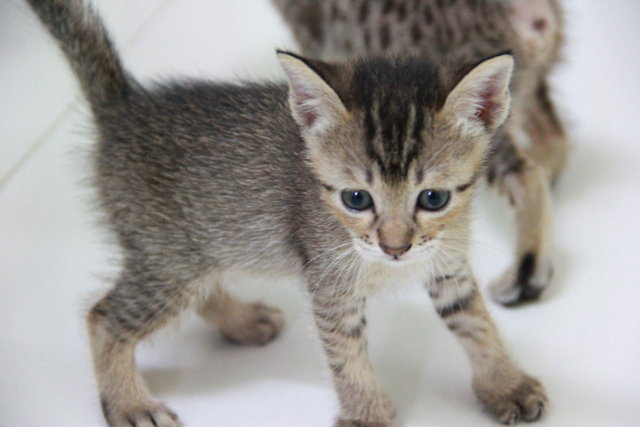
[
  {"x": 358, "y": 200},
  {"x": 433, "y": 200}
]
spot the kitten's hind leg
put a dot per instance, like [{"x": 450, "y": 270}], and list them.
[
  {"x": 526, "y": 185},
  {"x": 136, "y": 307},
  {"x": 240, "y": 322}
]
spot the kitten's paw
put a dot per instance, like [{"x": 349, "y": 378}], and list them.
[
  {"x": 152, "y": 414},
  {"x": 380, "y": 412},
  {"x": 356, "y": 423},
  {"x": 253, "y": 324},
  {"x": 522, "y": 283},
  {"x": 526, "y": 402}
]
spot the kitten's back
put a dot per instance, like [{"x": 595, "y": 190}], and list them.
[{"x": 209, "y": 164}]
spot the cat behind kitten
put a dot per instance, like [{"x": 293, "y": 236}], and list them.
[
  {"x": 353, "y": 175},
  {"x": 530, "y": 153}
]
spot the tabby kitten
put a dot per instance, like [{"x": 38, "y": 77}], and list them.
[
  {"x": 531, "y": 151},
  {"x": 354, "y": 175}
]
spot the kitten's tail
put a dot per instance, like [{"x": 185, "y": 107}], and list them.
[{"x": 85, "y": 42}]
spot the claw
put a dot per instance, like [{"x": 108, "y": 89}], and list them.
[
  {"x": 538, "y": 413},
  {"x": 513, "y": 419}
]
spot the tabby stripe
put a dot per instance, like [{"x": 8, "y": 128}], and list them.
[
  {"x": 450, "y": 276},
  {"x": 458, "y": 306},
  {"x": 387, "y": 6},
  {"x": 328, "y": 187},
  {"x": 325, "y": 313},
  {"x": 354, "y": 332},
  {"x": 441, "y": 279},
  {"x": 472, "y": 181},
  {"x": 337, "y": 368},
  {"x": 364, "y": 12},
  {"x": 434, "y": 291},
  {"x": 339, "y": 350},
  {"x": 515, "y": 167}
]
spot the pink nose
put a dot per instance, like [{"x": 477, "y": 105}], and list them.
[{"x": 395, "y": 252}]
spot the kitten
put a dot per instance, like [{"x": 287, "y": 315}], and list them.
[
  {"x": 530, "y": 153},
  {"x": 352, "y": 175}
]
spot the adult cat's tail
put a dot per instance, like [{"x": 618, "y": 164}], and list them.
[{"x": 85, "y": 42}]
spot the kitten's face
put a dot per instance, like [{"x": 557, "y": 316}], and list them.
[
  {"x": 396, "y": 153},
  {"x": 401, "y": 218}
]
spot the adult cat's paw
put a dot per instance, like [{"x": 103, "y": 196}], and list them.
[
  {"x": 252, "y": 324},
  {"x": 524, "y": 282},
  {"x": 149, "y": 414},
  {"x": 525, "y": 402}
]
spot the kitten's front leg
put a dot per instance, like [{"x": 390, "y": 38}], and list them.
[
  {"x": 339, "y": 316},
  {"x": 503, "y": 389}
]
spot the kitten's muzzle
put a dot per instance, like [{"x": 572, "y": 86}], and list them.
[{"x": 395, "y": 252}]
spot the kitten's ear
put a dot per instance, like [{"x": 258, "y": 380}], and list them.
[
  {"x": 480, "y": 101},
  {"x": 314, "y": 104}
]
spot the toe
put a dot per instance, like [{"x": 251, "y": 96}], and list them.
[
  {"x": 512, "y": 418},
  {"x": 526, "y": 402},
  {"x": 535, "y": 412}
]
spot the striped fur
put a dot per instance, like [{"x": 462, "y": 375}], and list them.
[
  {"x": 466, "y": 31},
  {"x": 501, "y": 387}
]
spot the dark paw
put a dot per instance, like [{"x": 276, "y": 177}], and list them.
[
  {"x": 527, "y": 293},
  {"x": 255, "y": 324},
  {"x": 522, "y": 284},
  {"x": 526, "y": 402}
]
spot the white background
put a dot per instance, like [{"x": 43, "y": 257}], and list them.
[{"x": 582, "y": 339}]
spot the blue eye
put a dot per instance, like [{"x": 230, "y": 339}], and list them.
[
  {"x": 358, "y": 200},
  {"x": 433, "y": 200}
]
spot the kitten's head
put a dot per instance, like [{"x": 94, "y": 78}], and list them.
[{"x": 397, "y": 144}]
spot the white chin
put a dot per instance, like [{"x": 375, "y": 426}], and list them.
[
  {"x": 379, "y": 257},
  {"x": 400, "y": 262}
]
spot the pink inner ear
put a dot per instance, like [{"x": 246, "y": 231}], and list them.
[
  {"x": 307, "y": 112},
  {"x": 488, "y": 106},
  {"x": 308, "y": 115}
]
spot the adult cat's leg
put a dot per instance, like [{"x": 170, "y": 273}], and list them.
[
  {"x": 240, "y": 322},
  {"x": 138, "y": 305},
  {"x": 502, "y": 388},
  {"x": 525, "y": 183},
  {"x": 339, "y": 316},
  {"x": 548, "y": 142}
]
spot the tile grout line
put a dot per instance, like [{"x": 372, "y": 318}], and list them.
[
  {"x": 39, "y": 143},
  {"x": 70, "y": 107},
  {"x": 164, "y": 4}
]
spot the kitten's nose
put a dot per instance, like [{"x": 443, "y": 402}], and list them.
[{"x": 395, "y": 252}]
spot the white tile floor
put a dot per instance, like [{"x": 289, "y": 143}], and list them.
[{"x": 582, "y": 339}]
